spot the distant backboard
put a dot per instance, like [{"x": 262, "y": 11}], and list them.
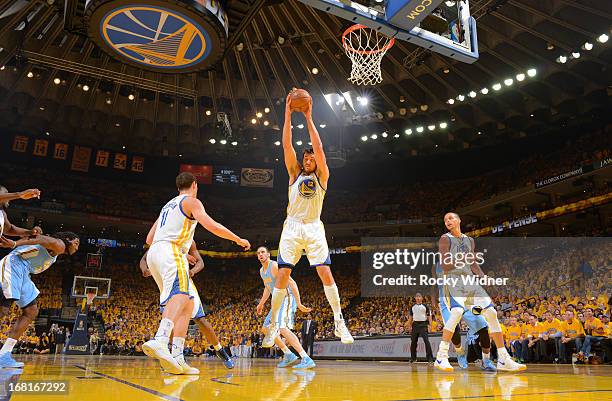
[
  {"x": 82, "y": 285},
  {"x": 445, "y": 27}
]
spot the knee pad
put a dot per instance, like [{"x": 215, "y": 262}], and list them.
[
  {"x": 490, "y": 316},
  {"x": 483, "y": 336},
  {"x": 453, "y": 319}
]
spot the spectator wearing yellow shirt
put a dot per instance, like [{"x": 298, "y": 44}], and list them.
[
  {"x": 551, "y": 336},
  {"x": 513, "y": 333},
  {"x": 533, "y": 335},
  {"x": 595, "y": 332},
  {"x": 572, "y": 333}
]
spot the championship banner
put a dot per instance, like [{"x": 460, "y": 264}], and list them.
[
  {"x": 138, "y": 164},
  {"x": 202, "y": 172},
  {"x": 257, "y": 177},
  {"x": 120, "y": 161},
  {"x": 102, "y": 157},
  {"x": 396, "y": 347},
  {"x": 20, "y": 143},
  {"x": 61, "y": 151},
  {"x": 80, "y": 158},
  {"x": 41, "y": 146}
]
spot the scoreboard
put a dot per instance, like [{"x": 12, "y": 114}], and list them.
[{"x": 226, "y": 176}]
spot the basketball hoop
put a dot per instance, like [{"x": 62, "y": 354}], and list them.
[
  {"x": 365, "y": 47},
  {"x": 90, "y": 297}
]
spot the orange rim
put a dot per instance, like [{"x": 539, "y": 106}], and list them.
[{"x": 348, "y": 47}]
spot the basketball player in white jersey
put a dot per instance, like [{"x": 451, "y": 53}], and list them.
[
  {"x": 465, "y": 297},
  {"x": 303, "y": 229},
  {"x": 169, "y": 239},
  {"x": 6, "y": 228}
]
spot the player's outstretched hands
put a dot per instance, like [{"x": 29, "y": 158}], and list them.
[
  {"x": 7, "y": 243},
  {"x": 29, "y": 194},
  {"x": 304, "y": 308},
  {"x": 245, "y": 244},
  {"x": 308, "y": 112},
  {"x": 36, "y": 231},
  {"x": 259, "y": 309},
  {"x": 288, "y": 103}
]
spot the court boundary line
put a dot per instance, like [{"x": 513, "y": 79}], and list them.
[
  {"x": 136, "y": 386},
  {"x": 467, "y": 397}
]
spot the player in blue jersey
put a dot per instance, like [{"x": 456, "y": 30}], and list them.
[
  {"x": 476, "y": 324},
  {"x": 286, "y": 314},
  {"x": 28, "y": 256}
]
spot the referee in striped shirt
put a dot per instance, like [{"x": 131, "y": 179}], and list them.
[{"x": 420, "y": 322}]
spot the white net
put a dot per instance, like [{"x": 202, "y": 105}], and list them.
[{"x": 365, "y": 47}]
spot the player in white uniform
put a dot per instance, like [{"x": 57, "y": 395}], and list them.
[
  {"x": 169, "y": 239},
  {"x": 286, "y": 314},
  {"x": 6, "y": 228},
  {"x": 303, "y": 229},
  {"x": 465, "y": 297}
]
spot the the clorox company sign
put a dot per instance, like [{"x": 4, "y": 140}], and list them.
[{"x": 160, "y": 35}]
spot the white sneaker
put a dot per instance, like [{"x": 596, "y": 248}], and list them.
[
  {"x": 342, "y": 331},
  {"x": 187, "y": 370},
  {"x": 156, "y": 349},
  {"x": 510, "y": 366},
  {"x": 268, "y": 340},
  {"x": 443, "y": 364}
]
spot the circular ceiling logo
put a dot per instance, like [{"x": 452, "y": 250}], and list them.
[
  {"x": 158, "y": 35},
  {"x": 155, "y": 36}
]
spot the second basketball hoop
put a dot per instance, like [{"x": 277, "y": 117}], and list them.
[{"x": 365, "y": 47}]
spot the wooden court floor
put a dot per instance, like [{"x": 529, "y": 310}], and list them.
[{"x": 111, "y": 378}]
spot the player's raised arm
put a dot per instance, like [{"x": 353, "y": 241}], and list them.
[
  {"x": 293, "y": 167},
  {"x": 194, "y": 207},
  {"x": 317, "y": 147},
  {"x": 52, "y": 244},
  {"x": 26, "y": 194}
]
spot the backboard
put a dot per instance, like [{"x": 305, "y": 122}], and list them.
[
  {"x": 82, "y": 285},
  {"x": 445, "y": 27}
]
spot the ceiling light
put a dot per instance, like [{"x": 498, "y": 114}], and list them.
[
  {"x": 396, "y": 136},
  {"x": 277, "y": 143},
  {"x": 259, "y": 114},
  {"x": 131, "y": 97},
  {"x": 315, "y": 70},
  {"x": 2, "y": 68},
  {"x": 472, "y": 94},
  {"x": 587, "y": 46},
  {"x": 362, "y": 100},
  {"x": 520, "y": 77},
  {"x": 576, "y": 54},
  {"x": 267, "y": 110},
  {"x": 300, "y": 126},
  {"x": 497, "y": 87},
  {"x": 234, "y": 143},
  {"x": 431, "y": 127},
  {"x": 508, "y": 81},
  {"x": 30, "y": 74},
  {"x": 212, "y": 140},
  {"x": 384, "y": 134},
  {"x": 253, "y": 121},
  {"x": 451, "y": 101},
  {"x": 484, "y": 91},
  {"x": 408, "y": 131},
  {"x": 299, "y": 143},
  {"x": 85, "y": 87},
  {"x": 117, "y": 125},
  {"x": 562, "y": 59},
  {"x": 424, "y": 107},
  {"x": 47, "y": 133},
  {"x": 374, "y": 136},
  {"x": 461, "y": 98},
  {"x": 280, "y": 40},
  {"x": 266, "y": 123},
  {"x": 108, "y": 100},
  {"x": 443, "y": 125},
  {"x": 41, "y": 108},
  {"x": 322, "y": 125},
  {"x": 364, "y": 138},
  {"x": 208, "y": 112},
  {"x": 603, "y": 38},
  {"x": 222, "y": 141},
  {"x": 420, "y": 129},
  {"x": 57, "y": 81}
]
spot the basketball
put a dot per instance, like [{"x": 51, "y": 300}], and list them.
[{"x": 299, "y": 100}]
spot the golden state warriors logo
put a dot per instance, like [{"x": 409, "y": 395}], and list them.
[
  {"x": 307, "y": 188},
  {"x": 155, "y": 36}
]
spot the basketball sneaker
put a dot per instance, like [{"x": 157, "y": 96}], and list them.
[
  {"x": 268, "y": 340},
  {"x": 288, "y": 359},
  {"x": 443, "y": 365},
  {"x": 306, "y": 363},
  {"x": 342, "y": 331},
  {"x": 488, "y": 366},
  {"x": 462, "y": 360},
  {"x": 7, "y": 361},
  {"x": 227, "y": 361},
  {"x": 509, "y": 365},
  {"x": 156, "y": 349},
  {"x": 187, "y": 370}
]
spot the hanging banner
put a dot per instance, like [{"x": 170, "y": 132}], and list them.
[
  {"x": 80, "y": 158},
  {"x": 102, "y": 157},
  {"x": 120, "y": 161},
  {"x": 61, "y": 151},
  {"x": 202, "y": 172},
  {"x": 257, "y": 177},
  {"x": 41, "y": 146},
  {"x": 20, "y": 143},
  {"x": 138, "y": 164}
]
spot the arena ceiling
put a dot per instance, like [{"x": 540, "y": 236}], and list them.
[{"x": 276, "y": 45}]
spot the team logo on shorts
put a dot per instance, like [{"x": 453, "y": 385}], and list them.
[{"x": 308, "y": 188}]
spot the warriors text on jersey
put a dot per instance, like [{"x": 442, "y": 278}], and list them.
[
  {"x": 174, "y": 225},
  {"x": 306, "y": 196}
]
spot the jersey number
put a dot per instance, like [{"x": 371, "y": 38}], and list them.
[{"x": 163, "y": 218}]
